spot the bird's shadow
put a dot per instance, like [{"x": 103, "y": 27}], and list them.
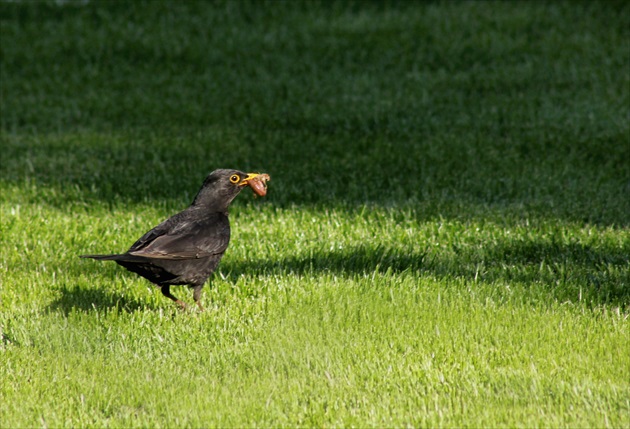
[{"x": 88, "y": 300}]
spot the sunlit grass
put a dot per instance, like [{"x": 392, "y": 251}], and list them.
[{"x": 392, "y": 320}]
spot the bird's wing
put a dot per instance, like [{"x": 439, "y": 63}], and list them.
[{"x": 185, "y": 236}]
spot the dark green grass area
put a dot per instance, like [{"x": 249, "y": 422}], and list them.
[
  {"x": 479, "y": 103},
  {"x": 445, "y": 242}
]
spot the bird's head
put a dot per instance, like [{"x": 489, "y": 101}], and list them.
[{"x": 222, "y": 186}]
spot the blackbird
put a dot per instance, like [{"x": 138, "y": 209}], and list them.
[{"x": 186, "y": 248}]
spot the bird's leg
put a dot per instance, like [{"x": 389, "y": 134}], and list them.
[
  {"x": 166, "y": 291},
  {"x": 197, "y": 296}
]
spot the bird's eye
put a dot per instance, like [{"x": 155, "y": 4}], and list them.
[{"x": 235, "y": 178}]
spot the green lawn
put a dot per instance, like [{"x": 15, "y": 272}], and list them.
[{"x": 445, "y": 241}]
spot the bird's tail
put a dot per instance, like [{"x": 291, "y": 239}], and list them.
[
  {"x": 113, "y": 257},
  {"x": 123, "y": 257}
]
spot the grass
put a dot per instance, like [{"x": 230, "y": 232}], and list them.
[{"x": 445, "y": 242}]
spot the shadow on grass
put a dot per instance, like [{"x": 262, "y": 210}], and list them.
[
  {"x": 566, "y": 272},
  {"x": 95, "y": 173},
  {"x": 342, "y": 96},
  {"x": 557, "y": 271},
  {"x": 87, "y": 300}
]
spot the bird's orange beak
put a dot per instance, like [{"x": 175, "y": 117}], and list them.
[{"x": 258, "y": 183}]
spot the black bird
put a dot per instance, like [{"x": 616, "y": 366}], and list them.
[{"x": 186, "y": 248}]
